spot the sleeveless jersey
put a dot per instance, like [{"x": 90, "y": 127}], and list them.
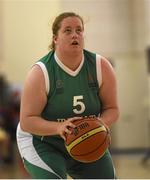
[{"x": 71, "y": 93}]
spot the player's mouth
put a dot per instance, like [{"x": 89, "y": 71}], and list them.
[{"x": 75, "y": 43}]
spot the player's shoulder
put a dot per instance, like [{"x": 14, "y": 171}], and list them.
[
  {"x": 46, "y": 58},
  {"x": 88, "y": 53},
  {"x": 105, "y": 63},
  {"x": 95, "y": 55},
  {"x": 101, "y": 61}
]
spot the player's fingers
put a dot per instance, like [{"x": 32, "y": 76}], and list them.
[
  {"x": 70, "y": 124},
  {"x": 74, "y": 118},
  {"x": 67, "y": 130},
  {"x": 64, "y": 136},
  {"x": 101, "y": 120}
]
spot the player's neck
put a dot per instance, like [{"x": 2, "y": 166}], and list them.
[{"x": 72, "y": 61}]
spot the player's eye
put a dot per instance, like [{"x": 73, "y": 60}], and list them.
[
  {"x": 67, "y": 31},
  {"x": 78, "y": 31}
]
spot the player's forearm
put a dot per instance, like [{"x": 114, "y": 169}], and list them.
[
  {"x": 38, "y": 126},
  {"x": 110, "y": 115}
]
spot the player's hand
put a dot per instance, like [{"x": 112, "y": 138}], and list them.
[
  {"x": 66, "y": 127},
  {"x": 101, "y": 120}
]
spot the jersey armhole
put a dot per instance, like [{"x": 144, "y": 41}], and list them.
[
  {"x": 46, "y": 77},
  {"x": 98, "y": 70}
]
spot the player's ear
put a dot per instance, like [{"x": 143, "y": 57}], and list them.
[{"x": 55, "y": 39}]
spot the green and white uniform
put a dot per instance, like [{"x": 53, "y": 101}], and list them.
[{"x": 69, "y": 94}]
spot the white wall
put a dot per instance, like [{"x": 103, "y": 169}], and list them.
[
  {"x": 131, "y": 68},
  {"x": 26, "y": 31},
  {"x": 1, "y": 35},
  {"x": 132, "y": 129},
  {"x": 147, "y": 21},
  {"x": 105, "y": 29}
]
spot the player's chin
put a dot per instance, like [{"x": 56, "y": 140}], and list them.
[{"x": 77, "y": 49}]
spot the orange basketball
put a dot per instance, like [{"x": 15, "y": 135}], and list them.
[{"x": 88, "y": 141}]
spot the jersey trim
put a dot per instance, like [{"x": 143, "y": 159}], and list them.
[
  {"x": 46, "y": 77},
  {"x": 28, "y": 152},
  {"x": 98, "y": 69},
  {"x": 66, "y": 69}
]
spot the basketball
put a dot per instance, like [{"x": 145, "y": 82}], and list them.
[{"x": 88, "y": 140}]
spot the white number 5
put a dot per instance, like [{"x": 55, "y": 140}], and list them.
[{"x": 77, "y": 101}]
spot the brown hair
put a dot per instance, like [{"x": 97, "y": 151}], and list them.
[{"x": 57, "y": 24}]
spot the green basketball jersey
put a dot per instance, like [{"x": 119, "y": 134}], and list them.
[{"x": 71, "y": 93}]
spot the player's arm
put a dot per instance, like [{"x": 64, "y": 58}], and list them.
[
  {"x": 108, "y": 94},
  {"x": 33, "y": 101}
]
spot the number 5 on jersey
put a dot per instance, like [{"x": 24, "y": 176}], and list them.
[{"x": 78, "y": 105}]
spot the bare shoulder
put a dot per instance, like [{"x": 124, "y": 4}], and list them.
[
  {"x": 106, "y": 65},
  {"x": 35, "y": 73},
  {"x": 35, "y": 78},
  {"x": 108, "y": 73}
]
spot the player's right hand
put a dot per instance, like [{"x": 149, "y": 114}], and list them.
[{"x": 65, "y": 127}]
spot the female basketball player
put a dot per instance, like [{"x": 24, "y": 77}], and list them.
[{"x": 66, "y": 83}]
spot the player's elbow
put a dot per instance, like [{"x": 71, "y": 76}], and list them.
[{"x": 23, "y": 123}]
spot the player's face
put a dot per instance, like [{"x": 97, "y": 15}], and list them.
[{"x": 70, "y": 35}]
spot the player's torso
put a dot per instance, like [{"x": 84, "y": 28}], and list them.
[{"x": 72, "y": 95}]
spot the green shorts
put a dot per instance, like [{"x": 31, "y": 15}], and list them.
[{"x": 51, "y": 161}]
